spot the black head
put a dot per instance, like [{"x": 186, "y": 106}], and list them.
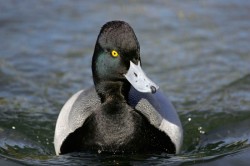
[
  {"x": 116, "y": 63},
  {"x": 115, "y": 47}
]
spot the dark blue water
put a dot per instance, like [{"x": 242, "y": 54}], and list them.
[{"x": 197, "y": 51}]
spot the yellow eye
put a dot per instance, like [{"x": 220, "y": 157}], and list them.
[{"x": 114, "y": 53}]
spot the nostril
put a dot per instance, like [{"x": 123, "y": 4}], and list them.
[{"x": 153, "y": 89}]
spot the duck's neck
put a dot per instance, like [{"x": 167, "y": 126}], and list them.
[{"x": 113, "y": 91}]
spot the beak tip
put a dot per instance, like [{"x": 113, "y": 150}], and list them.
[{"x": 153, "y": 89}]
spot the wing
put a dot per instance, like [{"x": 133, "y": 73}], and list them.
[
  {"x": 73, "y": 114},
  {"x": 160, "y": 113}
]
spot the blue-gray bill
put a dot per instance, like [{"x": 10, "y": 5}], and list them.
[{"x": 139, "y": 80}]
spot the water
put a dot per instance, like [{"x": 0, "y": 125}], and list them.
[{"x": 197, "y": 51}]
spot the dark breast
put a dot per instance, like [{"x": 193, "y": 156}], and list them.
[{"x": 123, "y": 131}]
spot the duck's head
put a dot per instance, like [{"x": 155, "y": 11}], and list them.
[{"x": 117, "y": 58}]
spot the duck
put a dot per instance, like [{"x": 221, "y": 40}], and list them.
[{"x": 124, "y": 111}]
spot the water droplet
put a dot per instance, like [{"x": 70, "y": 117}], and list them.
[
  {"x": 202, "y": 132},
  {"x": 13, "y": 127},
  {"x": 189, "y": 119},
  {"x": 99, "y": 151}
]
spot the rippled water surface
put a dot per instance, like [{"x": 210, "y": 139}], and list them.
[{"x": 197, "y": 51}]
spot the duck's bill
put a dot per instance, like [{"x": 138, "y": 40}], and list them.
[{"x": 139, "y": 80}]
